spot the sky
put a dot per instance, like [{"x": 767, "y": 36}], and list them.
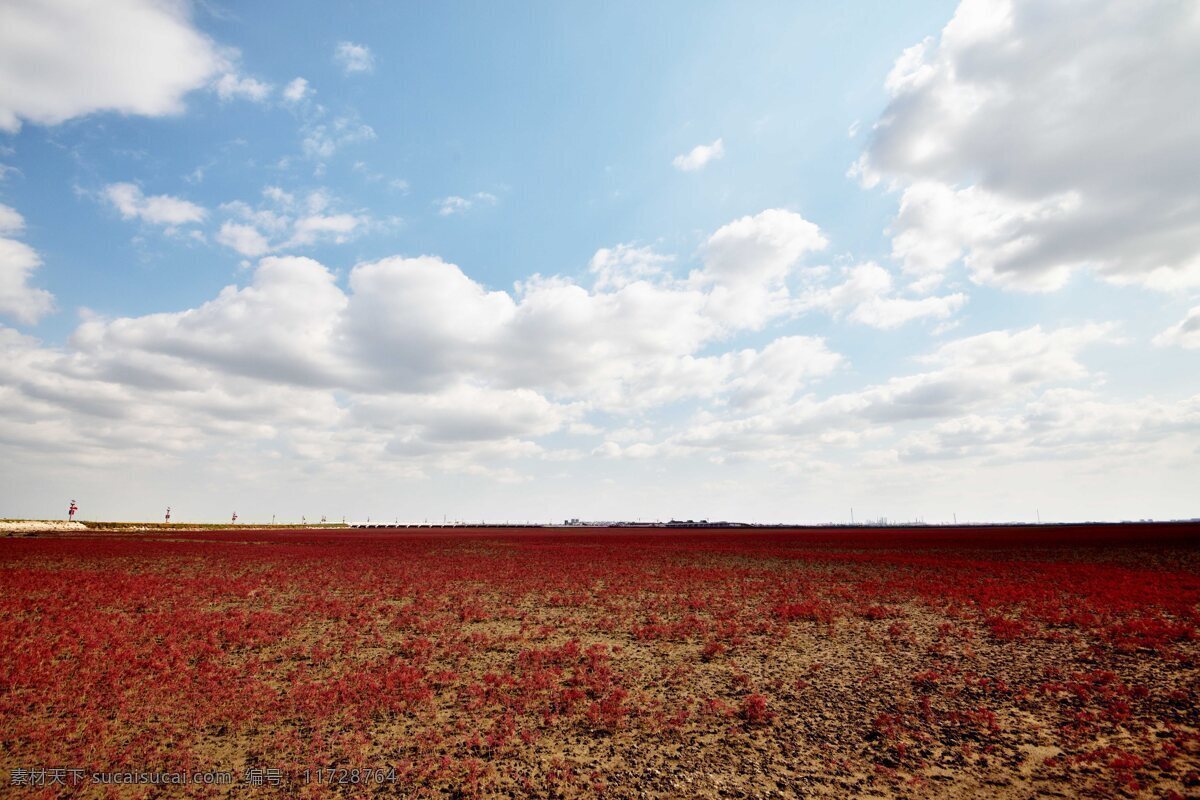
[{"x": 475, "y": 261}]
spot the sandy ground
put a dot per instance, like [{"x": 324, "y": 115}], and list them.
[{"x": 39, "y": 526}]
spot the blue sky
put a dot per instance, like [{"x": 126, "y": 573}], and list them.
[
  {"x": 569, "y": 116},
  {"x": 755, "y": 261}
]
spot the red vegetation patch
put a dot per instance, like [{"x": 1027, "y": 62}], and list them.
[{"x": 576, "y": 663}]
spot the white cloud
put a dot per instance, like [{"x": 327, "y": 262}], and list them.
[
  {"x": 245, "y": 239},
  {"x": 60, "y": 60},
  {"x": 776, "y": 373},
  {"x": 760, "y": 248},
  {"x": 315, "y": 226},
  {"x": 324, "y": 139},
  {"x": 621, "y": 265},
  {"x": 699, "y": 156},
  {"x": 1031, "y": 354},
  {"x": 460, "y": 415},
  {"x": 279, "y": 196},
  {"x": 411, "y": 367},
  {"x": 1060, "y": 424},
  {"x": 455, "y": 204},
  {"x": 542, "y": 356},
  {"x": 1185, "y": 333},
  {"x": 998, "y": 373},
  {"x": 296, "y": 90},
  {"x": 18, "y": 261},
  {"x": 747, "y": 262},
  {"x": 984, "y": 370},
  {"x": 1032, "y": 140},
  {"x": 277, "y": 329},
  {"x": 749, "y": 266},
  {"x": 234, "y": 87},
  {"x": 160, "y": 209},
  {"x": 286, "y": 223},
  {"x": 892, "y": 312},
  {"x": 937, "y": 225},
  {"x": 268, "y": 366},
  {"x": 865, "y": 295},
  {"x": 10, "y": 220},
  {"x": 416, "y": 364},
  {"x": 354, "y": 57}
]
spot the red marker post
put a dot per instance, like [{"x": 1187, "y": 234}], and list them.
[{"x": 71, "y": 511}]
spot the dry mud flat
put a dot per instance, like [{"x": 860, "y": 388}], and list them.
[
  {"x": 830, "y": 733},
  {"x": 650, "y": 664}
]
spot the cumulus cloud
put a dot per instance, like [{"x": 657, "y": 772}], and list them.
[
  {"x": 866, "y": 296},
  {"x": 747, "y": 263},
  {"x": 1031, "y": 140},
  {"x": 18, "y": 261},
  {"x": 95, "y": 404},
  {"x": 699, "y": 156},
  {"x": 619, "y": 266},
  {"x": 342, "y": 366},
  {"x": 245, "y": 239},
  {"x": 552, "y": 335},
  {"x": 768, "y": 377},
  {"x": 354, "y": 57},
  {"x": 460, "y": 415},
  {"x": 1000, "y": 374},
  {"x": 296, "y": 90},
  {"x": 413, "y": 360},
  {"x": 1185, "y": 333},
  {"x": 336, "y": 227},
  {"x": 10, "y": 220},
  {"x": 159, "y": 209},
  {"x": 286, "y": 222},
  {"x": 410, "y": 364},
  {"x": 231, "y": 86},
  {"x": 276, "y": 329},
  {"x": 1062, "y": 423},
  {"x": 60, "y": 60},
  {"x": 760, "y": 248},
  {"x": 988, "y": 368}
]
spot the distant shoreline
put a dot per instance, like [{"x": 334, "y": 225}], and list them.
[{"x": 28, "y": 527}]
